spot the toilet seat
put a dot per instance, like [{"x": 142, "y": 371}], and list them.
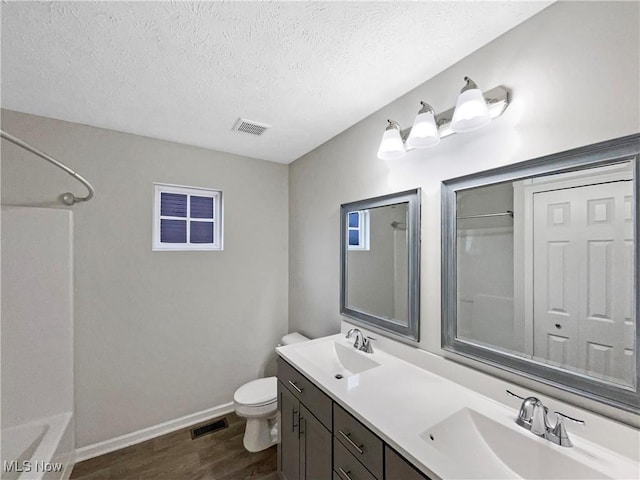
[{"x": 257, "y": 393}]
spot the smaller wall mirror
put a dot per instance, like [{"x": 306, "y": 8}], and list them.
[
  {"x": 540, "y": 269},
  {"x": 380, "y": 263}
]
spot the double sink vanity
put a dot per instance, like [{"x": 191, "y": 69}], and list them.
[{"x": 351, "y": 415}]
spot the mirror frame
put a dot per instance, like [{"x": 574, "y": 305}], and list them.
[
  {"x": 411, "y": 332},
  {"x": 624, "y": 149}
]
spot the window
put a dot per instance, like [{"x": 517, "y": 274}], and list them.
[
  {"x": 186, "y": 218},
  {"x": 358, "y": 230}
]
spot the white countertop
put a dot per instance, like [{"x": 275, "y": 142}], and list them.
[{"x": 401, "y": 403}]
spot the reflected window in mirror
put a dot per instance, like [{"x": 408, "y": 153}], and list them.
[
  {"x": 541, "y": 269},
  {"x": 358, "y": 230}
]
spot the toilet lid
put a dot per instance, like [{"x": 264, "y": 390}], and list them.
[{"x": 257, "y": 392}]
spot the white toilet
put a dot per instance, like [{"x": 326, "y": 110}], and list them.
[{"x": 257, "y": 401}]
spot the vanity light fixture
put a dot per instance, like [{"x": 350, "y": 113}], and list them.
[
  {"x": 392, "y": 145},
  {"x": 473, "y": 110},
  {"x": 424, "y": 132}
]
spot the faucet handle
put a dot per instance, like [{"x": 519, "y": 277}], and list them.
[
  {"x": 574, "y": 420},
  {"x": 514, "y": 394},
  {"x": 366, "y": 344},
  {"x": 558, "y": 434}
]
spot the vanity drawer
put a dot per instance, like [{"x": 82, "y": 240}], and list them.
[
  {"x": 346, "y": 467},
  {"x": 305, "y": 391},
  {"x": 358, "y": 440}
]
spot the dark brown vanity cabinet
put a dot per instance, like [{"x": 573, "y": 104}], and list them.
[
  {"x": 304, "y": 451},
  {"x": 397, "y": 468},
  {"x": 320, "y": 440}
]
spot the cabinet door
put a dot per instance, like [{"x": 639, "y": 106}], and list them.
[
  {"x": 397, "y": 468},
  {"x": 289, "y": 447},
  {"x": 315, "y": 447}
]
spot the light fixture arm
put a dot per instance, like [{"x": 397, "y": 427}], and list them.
[
  {"x": 426, "y": 108},
  {"x": 469, "y": 85},
  {"x": 404, "y": 134},
  {"x": 393, "y": 124}
]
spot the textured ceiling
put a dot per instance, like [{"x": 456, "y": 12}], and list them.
[{"x": 185, "y": 71}]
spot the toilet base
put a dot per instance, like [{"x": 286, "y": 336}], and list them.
[{"x": 260, "y": 433}]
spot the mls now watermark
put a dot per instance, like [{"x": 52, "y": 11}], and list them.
[{"x": 29, "y": 466}]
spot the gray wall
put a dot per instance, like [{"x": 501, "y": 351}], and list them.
[
  {"x": 573, "y": 71},
  {"x": 37, "y": 355},
  {"x": 158, "y": 335}
]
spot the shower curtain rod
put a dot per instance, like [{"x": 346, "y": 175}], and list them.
[
  {"x": 68, "y": 198},
  {"x": 501, "y": 214}
]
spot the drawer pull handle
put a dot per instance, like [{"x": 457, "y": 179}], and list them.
[
  {"x": 348, "y": 439},
  {"x": 293, "y": 420},
  {"x": 345, "y": 474},
  {"x": 298, "y": 389}
]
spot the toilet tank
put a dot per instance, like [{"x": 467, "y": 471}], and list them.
[{"x": 293, "y": 337}]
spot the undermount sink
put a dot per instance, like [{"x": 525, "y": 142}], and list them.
[
  {"x": 493, "y": 450},
  {"x": 337, "y": 359}
]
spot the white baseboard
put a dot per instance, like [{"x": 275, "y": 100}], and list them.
[
  {"x": 106, "y": 446},
  {"x": 68, "y": 465}
]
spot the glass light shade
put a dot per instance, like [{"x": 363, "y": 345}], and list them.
[
  {"x": 391, "y": 146},
  {"x": 471, "y": 112},
  {"x": 424, "y": 132}
]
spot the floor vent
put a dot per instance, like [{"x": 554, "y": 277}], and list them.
[
  {"x": 250, "y": 127},
  {"x": 214, "y": 426}
]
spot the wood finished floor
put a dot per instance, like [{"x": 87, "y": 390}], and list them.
[{"x": 175, "y": 456}]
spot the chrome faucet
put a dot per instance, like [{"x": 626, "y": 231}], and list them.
[
  {"x": 361, "y": 342},
  {"x": 359, "y": 337},
  {"x": 533, "y": 416}
]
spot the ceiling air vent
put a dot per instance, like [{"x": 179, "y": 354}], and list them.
[{"x": 250, "y": 127}]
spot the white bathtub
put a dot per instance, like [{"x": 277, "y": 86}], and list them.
[{"x": 39, "y": 450}]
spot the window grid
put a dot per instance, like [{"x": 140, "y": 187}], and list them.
[
  {"x": 190, "y": 222},
  {"x": 188, "y": 219}
]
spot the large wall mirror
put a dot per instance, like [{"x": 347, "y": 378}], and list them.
[
  {"x": 380, "y": 263},
  {"x": 540, "y": 269}
]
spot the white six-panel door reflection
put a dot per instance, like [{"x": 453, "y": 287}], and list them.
[{"x": 582, "y": 261}]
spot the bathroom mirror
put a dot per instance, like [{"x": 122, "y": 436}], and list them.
[
  {"x": 540, "y": 269},
  {"x": 380, "y": 263}
]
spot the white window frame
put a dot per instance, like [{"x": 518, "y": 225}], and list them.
[
  {"x": 363, "y": 230},
  {"x": 218, "y": 217}
]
